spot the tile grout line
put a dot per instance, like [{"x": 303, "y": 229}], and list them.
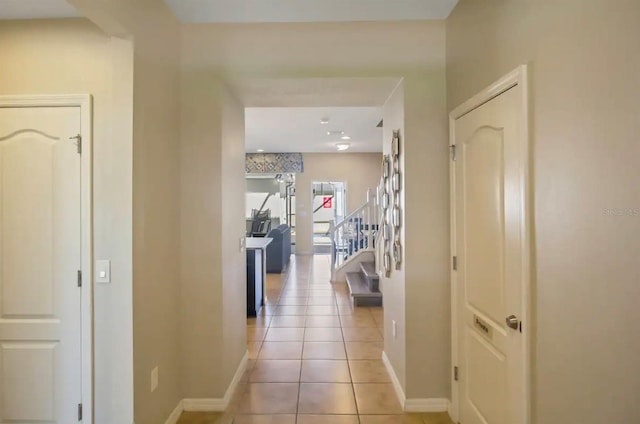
[
  {"x": 313, "y": 290},
  {"x": 301, "y": 358}
]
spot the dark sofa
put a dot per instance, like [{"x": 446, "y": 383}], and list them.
[{"x": 279, "y": 250}]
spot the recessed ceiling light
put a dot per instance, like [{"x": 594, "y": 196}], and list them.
[
  {"x": 260, "y": 150},
  {"x": 324, "y": 121},
  {"x": 342, "y": 146},
  {"x": 345, "y": 137},
  {"x": 335, "y": 132}
]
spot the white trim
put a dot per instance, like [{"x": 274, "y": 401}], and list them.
[
  {"x": 453, "y": 408},
  {"x": 175, "y": 414},
  {"x": 427, "y": 405},
  {"x": 218, "y": 404},
  {"x": 394, "y": 380},
  {"x": 451, "y": 412},
  {"x": 517, "y": 77},
  {"x": 204, "y": 405},
  {"x": 242, "y": 367},
  {"x": 84, "y": 102},
  {"x": 413, "y": 405}
]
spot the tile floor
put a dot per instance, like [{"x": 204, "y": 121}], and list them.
[{"x": 314, "y": 359}]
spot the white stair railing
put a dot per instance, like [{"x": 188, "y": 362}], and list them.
[{"x": 355, "y": 233}]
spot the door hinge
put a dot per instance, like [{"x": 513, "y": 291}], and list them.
[
  {"x": 79, "y": 278},
  {"x": 454, "y": 263},
  {"x": 79, "y": 412},
  {"x": 78, "y": 139},
  {"x": 453, "y": 152},
  {"x": 455, "y": 373}
]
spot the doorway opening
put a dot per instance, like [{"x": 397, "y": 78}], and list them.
[
  {"x": 329, "y": 207},
  {"x": 269, "y": 203},
  {"x": 328, "y": 132}
]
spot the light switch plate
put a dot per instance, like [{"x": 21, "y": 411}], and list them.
[
  {"x": 103, "y": 271},
  {"x": 394, "y": 329}
]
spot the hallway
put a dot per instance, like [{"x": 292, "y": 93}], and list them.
[{"x": 314, "y": 359}]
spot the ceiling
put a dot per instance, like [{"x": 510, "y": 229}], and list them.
[
  {"x": 36, "y": 9},
  {"x": 230, "y": 11},
  {"x": 309, "y": 10},
  {"x": 298, "y": 129}
]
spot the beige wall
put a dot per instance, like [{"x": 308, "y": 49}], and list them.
[
  {"x": 426, "y": 247},
  {"x": 154, "y": 150},
  {"x": 234, "y": 278},
  {"x": 360, "y": 172},
  {"x": 156, "y": 213},
  {"x": 201, "y": 218},
  {"x": 69, "y": 57},
  {"x": 584, "y": 64},
  {"x": 136, "y": 168},
  {"x": 213, "y": 336},
  {"x": 417, "y": 297},
  {"x": 393, "y": 288},
  {"x": 314, "y": 49}
]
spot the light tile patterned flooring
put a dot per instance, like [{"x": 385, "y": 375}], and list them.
[{"x": 314, "y": 359}]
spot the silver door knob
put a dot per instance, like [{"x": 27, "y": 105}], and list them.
[{"x": 512, "y": 322}]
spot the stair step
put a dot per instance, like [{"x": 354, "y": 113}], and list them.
[
  {"x": 369, "y": 270},
  {"x": 360, "y": 292}
]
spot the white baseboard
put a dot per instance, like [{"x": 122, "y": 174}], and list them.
[
  {"x": 204, "y": 405},
  {"x": 216, "y": 404},
  {"x": 242, "y": 367},
  {"x": 427, "y": 405},
  {"x": 452, "y": 413},
  {"x": 414, "y": 405},
  {"x": 394, "y": 380},
  {"x": 175, "y": 415}
]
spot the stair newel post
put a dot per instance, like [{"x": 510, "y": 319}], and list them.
[
  {"x": 332, "y": 232},
  {"x": 359, "y": 228},
  {"x": 369, "y": 218}
]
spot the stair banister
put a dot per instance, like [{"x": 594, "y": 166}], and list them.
[
  {"x": 357, "y": 231},
  {"x": 332, "y": 236}
]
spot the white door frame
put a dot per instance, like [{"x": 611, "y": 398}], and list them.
[
  {"x": 84, "y": 102},
  {"x": 517, "y": 77}
]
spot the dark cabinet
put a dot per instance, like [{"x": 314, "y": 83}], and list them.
[{"x": 255, "y": 281}]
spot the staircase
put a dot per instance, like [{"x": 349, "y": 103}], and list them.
[
  {"x": 364, "y": 285},
  {"x": 353, "y": 253}
]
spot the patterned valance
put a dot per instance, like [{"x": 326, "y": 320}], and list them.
[{"x": 273, "y": 163}]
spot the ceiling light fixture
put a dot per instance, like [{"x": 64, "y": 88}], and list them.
[
  {"x": 345, "y": 137},
  {"x": 324, "y": 121},
  {"x": 260, "y": 150},
  {"x": 342, "y": 146}
]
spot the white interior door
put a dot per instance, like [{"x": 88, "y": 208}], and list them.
[
  {"x": 489, "y": 234},
  {"x": 40, "y": 256}
]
